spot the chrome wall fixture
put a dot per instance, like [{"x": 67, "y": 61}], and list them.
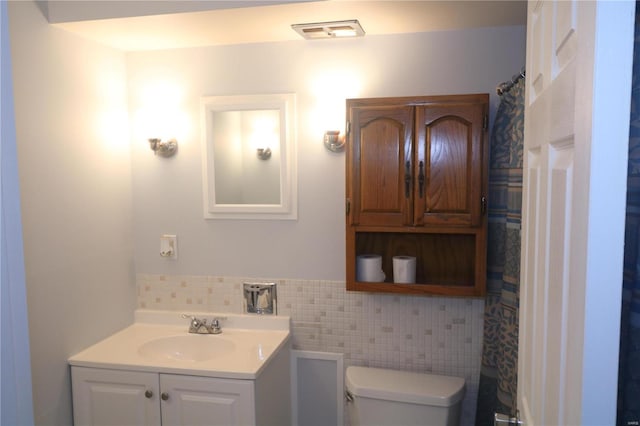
[
  {"x": 333, "y": 141},
  {"x": 260, "y": 298},
  {"x": 163, "y": 149},
  {"x": 264, "y": 153}
]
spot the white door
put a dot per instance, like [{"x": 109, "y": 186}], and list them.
[
  {"x": 579, "y": 56},
  {"x": 205, "y": 401},
  {"x": 114, "y": 397}
]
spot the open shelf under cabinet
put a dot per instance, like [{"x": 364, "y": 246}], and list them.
[{"x": 450, "y": 264}]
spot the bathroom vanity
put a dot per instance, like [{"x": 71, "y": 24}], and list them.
[{"x": 155, "y": 373}]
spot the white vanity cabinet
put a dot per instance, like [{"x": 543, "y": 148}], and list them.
[
  {"x": 156, "y": 373},
  {"x": 116, "y": 397}
]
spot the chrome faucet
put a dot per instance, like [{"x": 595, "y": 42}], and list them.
[{"x": 199, "y": 326}]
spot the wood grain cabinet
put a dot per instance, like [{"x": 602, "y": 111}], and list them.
[{"x": 417, "y": 186}]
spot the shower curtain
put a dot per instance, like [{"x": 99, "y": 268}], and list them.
[
  {"x": 498, "y": 375},
  {"x": 629, "y": 364}
]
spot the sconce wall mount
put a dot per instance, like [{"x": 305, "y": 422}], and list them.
[
  {"x": 333, "y": 141},
  {"x": 163, "y": 148},
  {"x": 264, "y": 153}
]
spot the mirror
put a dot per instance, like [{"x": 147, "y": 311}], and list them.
[{"x": 249, "y": 157}]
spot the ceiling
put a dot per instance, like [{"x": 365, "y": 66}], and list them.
[{"x": 264, "y": 21}]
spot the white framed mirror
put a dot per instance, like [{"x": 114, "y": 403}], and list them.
[{"x": 249, "y": 159}]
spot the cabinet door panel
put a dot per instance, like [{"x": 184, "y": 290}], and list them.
[
  {"x": 381, "y": 152},
  {"x": 449, "y": 164},
  {"x": 206, "y": 401},
  {"x": 111, "y": 397}
]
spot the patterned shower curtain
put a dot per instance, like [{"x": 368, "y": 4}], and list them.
[
  {"x": 498, "y": 376},
  {"x": 629, "y": 365}
]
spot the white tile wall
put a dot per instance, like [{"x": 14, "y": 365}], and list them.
[{"x": 424, "y": 334}]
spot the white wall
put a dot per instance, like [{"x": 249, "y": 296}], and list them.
[
  {"x": 75, "y": 178},
  {"x": 167, "y": 193},
  {"x": 16, "y": 405}
]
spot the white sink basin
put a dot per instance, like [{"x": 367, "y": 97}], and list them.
[
  {"x": 159, "y": 342},
  {"x": 192, "y": 348}
]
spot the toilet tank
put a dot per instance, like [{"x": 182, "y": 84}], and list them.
[{"x": 390, "y": 397}]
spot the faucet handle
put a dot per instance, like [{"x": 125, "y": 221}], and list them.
[
  {"x": 191, "y": 317},
  {"x": 216, "y": 321},
  {"x": 194, "y": 324},
  {"x": 215, "y": 327}
]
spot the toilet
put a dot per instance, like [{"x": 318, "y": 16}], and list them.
[{"x": 385, "y": 397}]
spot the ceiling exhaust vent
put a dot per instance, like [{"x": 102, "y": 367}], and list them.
[{"x": 334, "y": 29}]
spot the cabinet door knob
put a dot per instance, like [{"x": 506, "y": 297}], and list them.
[
  {"x": 148, "y": 393},
  {"x": 164, "y": 396}
]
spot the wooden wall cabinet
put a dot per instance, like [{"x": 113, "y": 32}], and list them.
[{"x": 417, "y": 186}]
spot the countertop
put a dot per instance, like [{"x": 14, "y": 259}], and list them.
[{"x": 254, "y": 340}]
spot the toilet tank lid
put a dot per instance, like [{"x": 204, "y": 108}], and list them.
[{"x": 404, "y": 386}]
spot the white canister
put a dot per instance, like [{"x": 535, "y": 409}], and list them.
[{"x": 404, "y": 269}]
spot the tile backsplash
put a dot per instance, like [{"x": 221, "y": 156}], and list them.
[{"x": 439, "y": 335}]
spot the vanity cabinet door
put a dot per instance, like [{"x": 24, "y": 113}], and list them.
[
  {"x": 194, "y": 401},
  {"x": 103, "y": 397}
]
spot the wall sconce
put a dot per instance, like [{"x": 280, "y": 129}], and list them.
[
  {"x": 163, "y": 149},
  {"x": 333, "y": 141},
  {"x": 264, "y": 153}
]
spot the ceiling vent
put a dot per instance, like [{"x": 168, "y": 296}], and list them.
[{"x": 334, "y": 29}]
